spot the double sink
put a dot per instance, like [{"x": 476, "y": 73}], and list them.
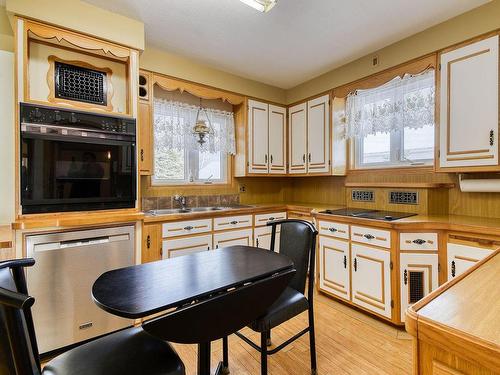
[{"x": 172, "y": 211}]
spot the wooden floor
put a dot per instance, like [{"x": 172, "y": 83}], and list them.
[{"x": 347, "y": 342}]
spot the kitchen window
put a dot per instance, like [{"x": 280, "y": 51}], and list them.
[
  {"x": 393, "y": 125},
  {"x": 178, "y": 156}
]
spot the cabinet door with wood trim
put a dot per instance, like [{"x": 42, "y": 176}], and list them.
[
  {"x": 297, "y": 139},
  {"x": 419, "y": 277},
  {"x": 318, "y": 135},
  {"x": 463, "y": 254},
  {"x": 186, "y": 245},
  {"x": 144, "y": 124},
  {"x": 258, "y": 137},
  {"x": 277, "y": 139},
  {"x": 151, "y": 243},
  {"x": 262, "y": 238},
  {"x": 468, "y": 106},
  {"x": 371, "y": 279},
  {"x": 234, "y": 237},
  {"x": 334, "y": 267}
]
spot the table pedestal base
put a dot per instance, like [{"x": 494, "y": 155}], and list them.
[{"x": 204, "y": 352}]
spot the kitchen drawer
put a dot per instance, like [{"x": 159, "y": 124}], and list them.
[
  {"x": 329, "y": 228},
  {"x": 186, "y": 245},
  {"x": 242, "y": 237},
  {"x": 418, "y": 241},
  {"x": 181, "y": 228},
  {"x": 262, "y": 219},
  {"x": 232, "y": 222},
  {"x": 371, "y": 236}
]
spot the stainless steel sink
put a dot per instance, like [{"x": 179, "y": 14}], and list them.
[{"x": 172, "y": 211}]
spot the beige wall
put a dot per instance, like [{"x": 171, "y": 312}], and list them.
[
  {"x": 177, "y": 66},
  {"x": 475, "y": 22},
  {"x": 86, "y": 18}
]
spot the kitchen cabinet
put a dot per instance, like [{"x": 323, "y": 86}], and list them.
[
  {"x": 266, "y": 138},
  {"x": 145, "y": 124},
  {"x": 418, "y": 277},
  {"x": 234, "y": 237},
  {"x": 463, "y": 253},
  {"x": 297, "y": 139},
  {"x": 232, "y": 222},
  {"x": 186, "y": 245},
  {"x": 151, "y": 243},
  {"x": 371, "y": 278},
  {"x": 334, "y": 266},
  {"x": 262, "y": 238},
  {"x": 187, "y": 227},
  {"x": 468, "y": 107},
  {"x": 318, "y": 135}
]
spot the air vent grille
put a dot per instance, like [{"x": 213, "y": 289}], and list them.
[
  {"x": 80, "y": 84},
  {"x": 416, "y": 286},
  {"x": 363, "y": 195},
  {"x": 403, "y": 197}
]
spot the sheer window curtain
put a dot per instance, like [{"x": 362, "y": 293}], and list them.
[
  {"x": 173, "y": 128},
  {"x": 406, "y": 102}
]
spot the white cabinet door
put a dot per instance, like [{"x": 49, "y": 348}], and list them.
[
  {"x": 258, "y": 137},
  {"x": 371, "y": 279},
  {"x": 334, "y": 266},
  {"x": 463, "y": 256},
  {"x": 262, "y": 238},
  {"x": 468, "y": 115},
  {"x": 297, "y": 139},
  {"x": 186, "y": 245},
  {"x": 318, "y": 135},
  {"x": 232, "y": 238},
  {"x": 419, "y": 277},
  {"x": 277, "y": 139}
]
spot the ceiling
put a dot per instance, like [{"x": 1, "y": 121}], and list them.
[{"x": 296, "y": 41}]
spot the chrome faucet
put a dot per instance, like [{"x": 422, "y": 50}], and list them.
[{"x": 181, "y": 199}]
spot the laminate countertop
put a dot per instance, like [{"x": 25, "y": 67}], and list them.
[{"x": 463, "y": 316}]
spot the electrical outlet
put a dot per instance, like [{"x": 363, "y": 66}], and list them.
[
  {"x": 243, "y": 189},
  {"x": 375, "y": 61}
]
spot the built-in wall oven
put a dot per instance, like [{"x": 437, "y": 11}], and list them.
[{"x": 76, "y": 161}]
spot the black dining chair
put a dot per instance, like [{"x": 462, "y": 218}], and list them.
[
  {"x": 131, "y": 351},
  {"x": 298, "y": 242}
]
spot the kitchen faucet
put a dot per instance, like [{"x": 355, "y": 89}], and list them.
[{"x": 181, "y": 199}]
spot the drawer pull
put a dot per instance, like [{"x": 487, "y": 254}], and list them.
[
  {"x": 419, "y": 241},
  {"x": 345, "y": 261},
  {"x": 189, "y": 227},
  {"x": 369, "y": 236},
  {"x": 234, "y": 222},
  {"x": 453, "y": 268},
  {"x": 333, "y": 229},
  {"x": 406, "y": 277},
  {"x": 272, "y": 218},
  {"x": 355, "y": 265}
]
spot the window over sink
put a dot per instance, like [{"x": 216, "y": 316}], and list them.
[{"x": 393, "y": 125}]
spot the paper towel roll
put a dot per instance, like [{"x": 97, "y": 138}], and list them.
[{"x": 479, "y": 185}]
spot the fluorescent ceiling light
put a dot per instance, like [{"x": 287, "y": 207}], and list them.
[{"x": 261, "y": 5}]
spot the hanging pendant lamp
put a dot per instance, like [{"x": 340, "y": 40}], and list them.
[{"x": 201, "y": 129}]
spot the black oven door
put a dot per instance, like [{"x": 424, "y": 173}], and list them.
[{"x": 61, "y": 174}]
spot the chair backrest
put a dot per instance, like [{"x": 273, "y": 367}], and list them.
[
  {"x": 298, "y": 242},
  {"x": 18, "y": 348}
]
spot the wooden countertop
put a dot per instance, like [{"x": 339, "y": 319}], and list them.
[
  {"x": 6, "y": 235},
  {"x": 463, "y": 315}
]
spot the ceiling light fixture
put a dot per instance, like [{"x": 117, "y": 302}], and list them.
[{"x": 261, "y": 5}]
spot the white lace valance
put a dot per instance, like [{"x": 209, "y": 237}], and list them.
[
  {"x": 174, "y": 122},
  {"x": 406, "y": 102}
]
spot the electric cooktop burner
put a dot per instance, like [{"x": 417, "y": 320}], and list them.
[{"x": 369, "y": 214}]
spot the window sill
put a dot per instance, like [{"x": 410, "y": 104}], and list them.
[{"x": 418, "y": 169}]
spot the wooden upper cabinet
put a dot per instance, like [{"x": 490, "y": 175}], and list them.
[
  {"x": 277, "y": 139},
  {"x": 297, "y": 139},
  {"x": 468, "y": 107},
  {"x": 144, "y": 123},
  {"x": 318, "y": 135},
  {"x": 258, "y": 137},
  {"x": 266, "y": 138}
]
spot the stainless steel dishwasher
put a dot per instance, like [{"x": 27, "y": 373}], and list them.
[{"x": 67, "y": 264}]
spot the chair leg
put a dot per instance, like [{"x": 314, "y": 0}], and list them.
[
  {"x": 225, "y": 355},
  {"x": 312, "y": 341},
  {"x": 263, "y": 353},
  {"x": 268, "y": 341}
]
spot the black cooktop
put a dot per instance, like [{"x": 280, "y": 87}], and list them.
[{"x": 369, "y": 214}]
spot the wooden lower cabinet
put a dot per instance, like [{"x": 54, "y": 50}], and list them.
[
  {"x": 186, "y": 245},
  {"x": 371, "y": 278},
  {"x": 418, "y": 277},
  {"x": 151, "y": 243},
  {"x": 262, "y": 238},
  {"x": 334, "y": 266},
  {"x": 234, "y": 237},
  {"x": 463, "y": 254}
]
